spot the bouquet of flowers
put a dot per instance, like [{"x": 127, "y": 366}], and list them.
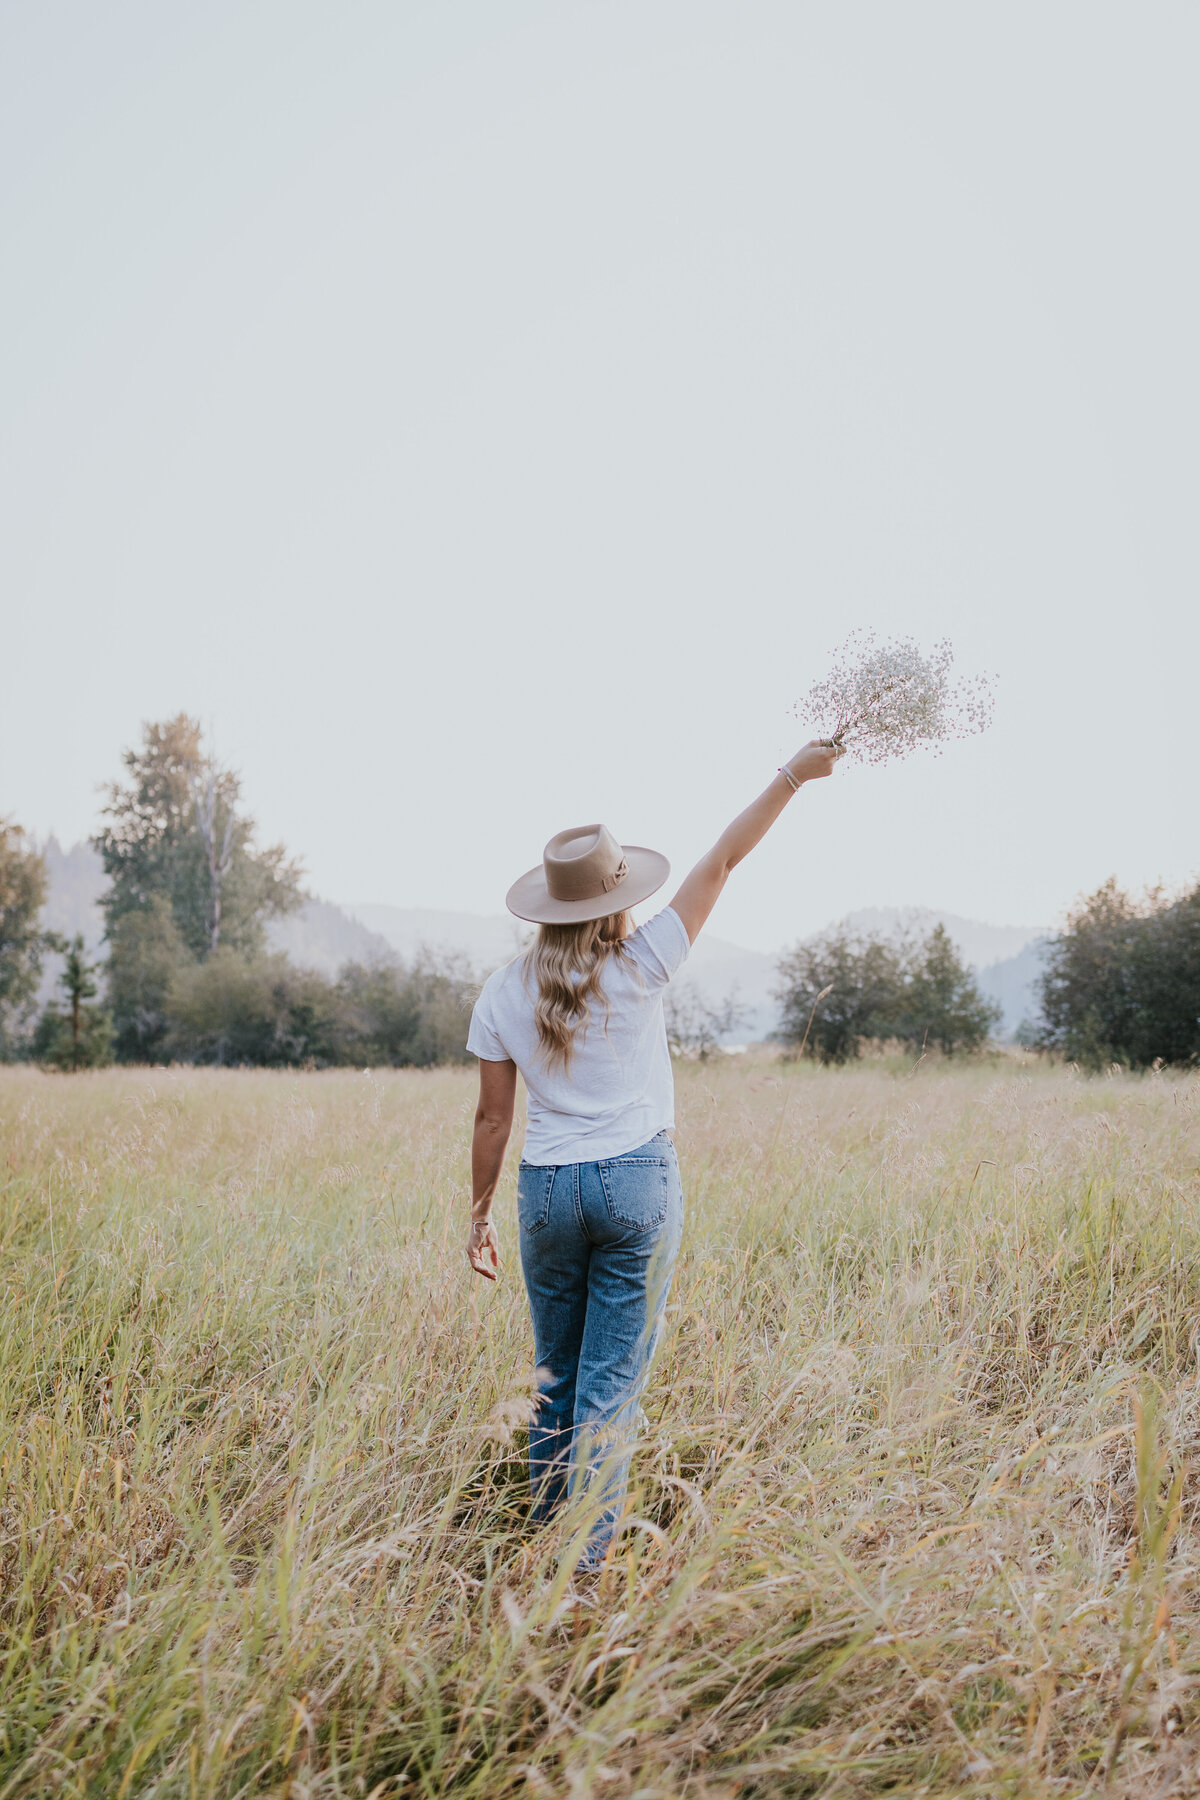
[{"x": 882, "y": 699}]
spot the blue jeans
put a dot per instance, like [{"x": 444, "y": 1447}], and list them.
[{"x": 598, "y": 1247}]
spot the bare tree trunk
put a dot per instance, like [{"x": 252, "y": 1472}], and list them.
[{"x": 204, "y": 798}]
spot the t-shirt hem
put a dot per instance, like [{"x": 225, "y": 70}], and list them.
[{"x": 585, "y": 1150}]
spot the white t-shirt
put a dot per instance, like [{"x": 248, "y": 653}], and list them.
[{"x": 619, "y": 1091}]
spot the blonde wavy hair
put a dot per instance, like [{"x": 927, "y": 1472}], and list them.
[{"x": 565, "y": 963}]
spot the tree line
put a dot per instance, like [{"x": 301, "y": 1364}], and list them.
[
  {"x": 1119, "y": 987},
  {"x": 188, "y": 977}
]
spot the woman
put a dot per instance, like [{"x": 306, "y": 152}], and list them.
[{"x": 599, "y": 1199}]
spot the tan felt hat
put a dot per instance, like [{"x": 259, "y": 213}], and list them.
[{"x": 586, "y": 874}]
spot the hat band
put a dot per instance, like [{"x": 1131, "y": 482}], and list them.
[{"x": 617, "y": 877}]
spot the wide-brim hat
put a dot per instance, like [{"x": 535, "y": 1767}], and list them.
[{"x": 585, "y": 874}]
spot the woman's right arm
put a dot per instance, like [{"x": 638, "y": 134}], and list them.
[
  {"x": 702, "y": 888},
  {"x": 489, "y": 1141}
]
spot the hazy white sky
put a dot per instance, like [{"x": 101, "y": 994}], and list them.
[{"x": 488, "y": 417}]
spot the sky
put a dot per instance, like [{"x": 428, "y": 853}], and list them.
[{"x": 488, "y": 419}]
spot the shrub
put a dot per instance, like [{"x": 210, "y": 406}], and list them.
[
  {"x": 405, "y": 1015},
  {"x": 695, "y": 1027},
  {"x": 836, "y": 991},
  {"x": 264, "y": 1011},
  {"x": 146, "y": 958},
  {"x": 841, "y": 990},
  {"x": 1122, "y": 982}
]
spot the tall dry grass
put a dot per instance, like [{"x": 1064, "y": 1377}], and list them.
[{"x": 915, "y": 1511}]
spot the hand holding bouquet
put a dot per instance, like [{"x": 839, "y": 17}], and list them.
[{"x": 883, "y": 699}]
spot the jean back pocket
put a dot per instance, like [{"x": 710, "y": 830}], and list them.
[
  {"x": 533, "y": 1195},
  {"x": 636, "y": 1190}
]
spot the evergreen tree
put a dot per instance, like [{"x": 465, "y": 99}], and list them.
[
  {"x": 941, "y": 1003},
  {"x": 80, "y": 1038}
]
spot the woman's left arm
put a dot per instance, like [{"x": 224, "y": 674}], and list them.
[{"x": 493, "y": 1126}]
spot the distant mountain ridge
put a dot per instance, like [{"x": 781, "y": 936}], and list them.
[
  {"x": 74, "y": 884},
  {"x": 1012, "y": 984},
  {"x": 977, "y": 942},
  {"x": 323, "y": 935},
  {"x": 485, "y": 939},
  {"x": 1004, "y": 957}
]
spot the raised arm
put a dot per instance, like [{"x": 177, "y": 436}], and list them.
[{"x": 702, "y": 888}]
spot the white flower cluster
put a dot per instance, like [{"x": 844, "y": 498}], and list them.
[{"x": 881, "y": 700}]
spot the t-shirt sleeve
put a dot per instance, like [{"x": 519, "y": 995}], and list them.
[
  {"x": 660, "y": 946},
  {"x": 482, "y": 1039}
]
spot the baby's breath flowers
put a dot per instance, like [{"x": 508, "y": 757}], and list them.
[{"x": 883, "y": 699}]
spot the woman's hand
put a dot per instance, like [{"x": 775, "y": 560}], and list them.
[
  {"x": 816, "y": 759},
  {"x": 482, "y": 1242}
]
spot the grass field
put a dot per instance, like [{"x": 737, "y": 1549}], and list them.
[{"x": 915, "y": 1507}]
